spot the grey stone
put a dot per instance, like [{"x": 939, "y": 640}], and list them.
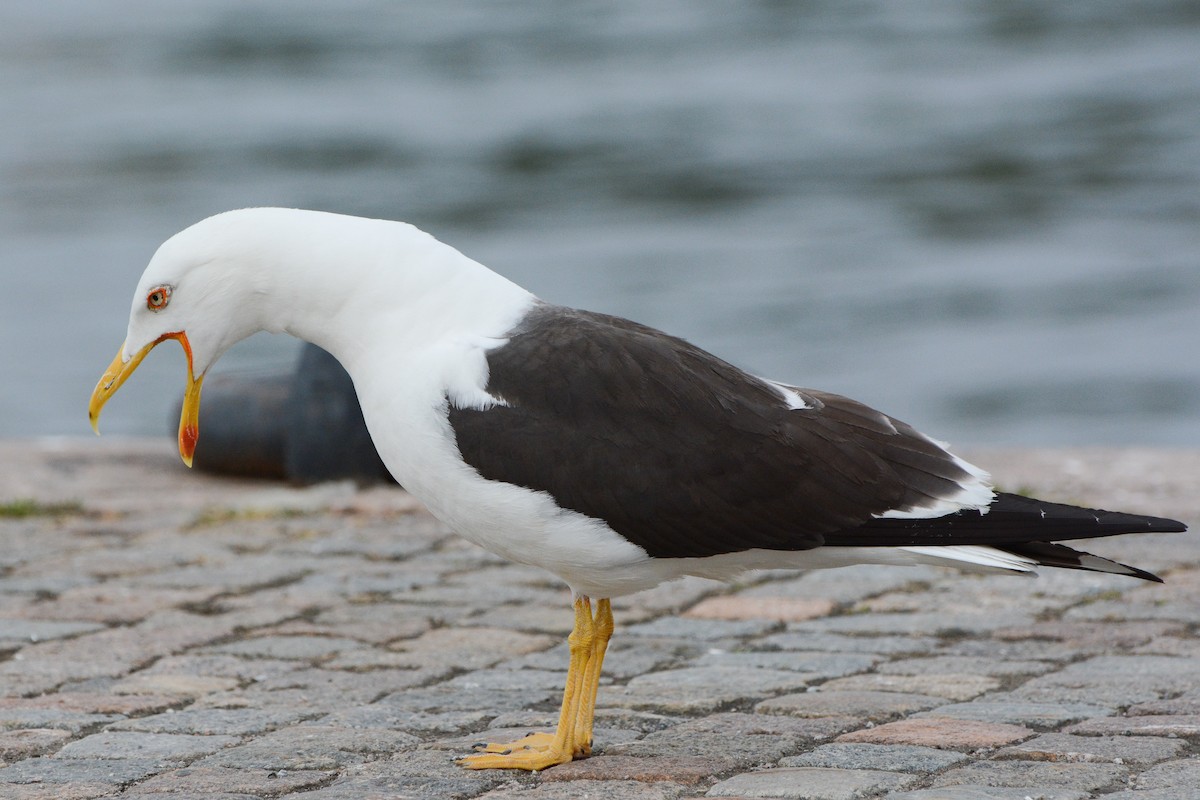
[
  {"x": 1113, "y": 680},
  {"x": 510, "y": 680},
  {"x": 867, "y": 705},
  {"x": 889, "y": 758},
  {"x": 1086, "y": 777},
  {"x": 210, "y": 721},
  {"x": 102, "y": 771},
  {"x": 1045, "y": 715},
  {"x": 700, "y": 689},
  {"x": 846, "y": 584},
  {"x": 416, "y": 774},
  {"x": 37, "y": 630},
  {"x": 965, "y": 792},
  {"x": 134, "y": 745},
  {"x": 700, "y": 629},
  {"x": 313, "y": 747},
  {"x": 15, "y": 718},
  {"x": 735, "y": 740},
  {"x": 303, "y": 648},
  {"x": 1063, "y": 747},
  {"x": 810, "y": 783},
  {"x": 387, "y": 716},
  {"x": 589, "y": 790},
  {"x": 1170, "y": 775},
  {"x": 813, "y": 665},
  {"x": 964, "y": 665},
  {"x": 929, "y": 623},
  {"x": 844, "y": 643}
]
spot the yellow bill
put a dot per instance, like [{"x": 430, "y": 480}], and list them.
[{"x": 120, "y": 370}]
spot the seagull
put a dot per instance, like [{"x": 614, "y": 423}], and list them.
[{"x": 607, "y": 452}]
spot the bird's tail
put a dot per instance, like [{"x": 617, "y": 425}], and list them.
[{"x": 1014, "y": 533}]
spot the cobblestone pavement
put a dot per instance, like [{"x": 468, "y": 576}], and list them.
[{"x": 166, "y": 634}]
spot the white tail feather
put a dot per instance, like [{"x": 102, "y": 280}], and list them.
[{"x": 973, "y": 557}]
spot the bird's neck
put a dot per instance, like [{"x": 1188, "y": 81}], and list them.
[{"x": 352, "y": 286}]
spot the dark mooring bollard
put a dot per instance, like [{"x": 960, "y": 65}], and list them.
[{"x": 304, "y": 426}]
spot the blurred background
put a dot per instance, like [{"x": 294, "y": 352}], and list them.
[{"x": 980, "y": 217}]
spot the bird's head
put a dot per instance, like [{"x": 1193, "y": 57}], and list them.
[{"x": 198, "y": 291}]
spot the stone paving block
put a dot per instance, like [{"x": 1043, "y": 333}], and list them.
[
  {"x": 316, "y": 689},
  {"x": 300, "y": 648},
  {"x": 75, "y": 791},
  {"x": 552, "y": 620},
  {"x": 137, "y": 745},
  {"x": 812, "y": 664},
  {"x": 810, "y": 783},
  {"x": 1187, "y": 703},
  {"x": 487, "y": 703},
  {"x": 112, "y": 652},
  {"x": 213, "y": 781},
  {"x": 1171, "y": 793},
  {"x": 417, "y": 774},
  {"x": 513, "y": 680},
  {"x": 1179, "y": 774},
  {"x": 1113, "y": 680},
  {"x": 1065, "y": 747},
  {"x": 688, "y": 770},
  {"x": 422, "y": 723},
  {"x": 868, "y": 706},
  {"x": 929, "y": 623},
  {"x": 699, "y": 689},
  {"x": 242, "y": 670},
  {"x": 888, "y": 758},
  {"x": 964, "y": 792},
  {"x": 469, "y": 648},
  {"x": 377, "y": 623},
  {"x": 39, "y": 630},
  {"x": 742, "y": 607},
  {"x": 947, "y": 685},
  {"x": 188, "y": 795},
  {"x": 177, "y": 686},
  {"x": 589, "y": 790},
  {"x": 964, "y": 665},
  {"x": 312, "y": 747},
  {"x": 109, "y": 773},
  {"x": 845, "y": 584},
  {"x": 700, "y": 630},
  {"x": 91, "y": 703},
  {"x": 18, "y": 744},
  {"x": 1098, "y": 637},
  {"x": 1185, "y": 725},
  {"x": 1079, "y": 777},
  {"x": 846, "y": 643},
  {"x": 949, "y": 734},
  {"x": 70, "y": 721},
  {"x": 1036, "y": 715},
  {"x": 734, "y": 740},
  {"x": 117, "y": 603},
  {"x": 213, "y": 721}
]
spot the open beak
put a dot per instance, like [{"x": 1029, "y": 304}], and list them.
[{"x": 120, "y": 369}]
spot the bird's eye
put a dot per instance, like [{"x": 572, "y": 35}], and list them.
[{"x": 158, "y": 298}]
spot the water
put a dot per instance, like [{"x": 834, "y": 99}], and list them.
[{"x": 983, "y": 218}]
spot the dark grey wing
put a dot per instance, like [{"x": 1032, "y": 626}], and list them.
[{"x": 680, "y": 452}]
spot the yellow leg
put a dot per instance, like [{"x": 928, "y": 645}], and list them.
[
  {"x": 602, "y": 627},
  {"x": 539, "y": 750}
]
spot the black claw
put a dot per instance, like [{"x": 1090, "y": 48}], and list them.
[
  {"x": 505, "y": 752},
  {"x": 479, "y": 746}
]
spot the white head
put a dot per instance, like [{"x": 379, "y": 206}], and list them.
[
  {"x": 312, "y": 274},
  {"x": 203, "y": 289}
]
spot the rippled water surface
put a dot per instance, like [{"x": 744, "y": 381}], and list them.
[{"x": 983, "y": 218}]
